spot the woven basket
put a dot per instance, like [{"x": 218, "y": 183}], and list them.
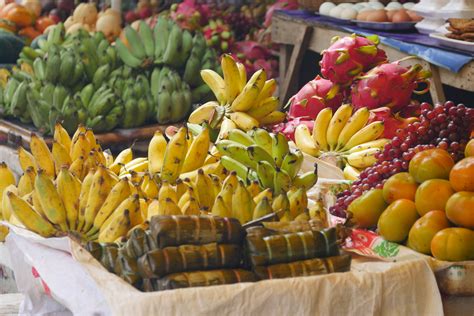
[{"x": 313, "y": 5}]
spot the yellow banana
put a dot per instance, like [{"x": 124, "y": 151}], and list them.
[
  {"x": 189, "y": 194},
  {"x": 351, "y": 173},
  {"x": 366, "y": 134},
  {"x": 216, "y": 83},
  {"x": 215, "y": 168},
  {"x": 203, "y": 189},
  {"x": 226, "y": 126},
  {"x": 265, "y": 193},
  {"x": 174, "y": 156},
  {"x": 260, "y": 110},
  {"x": 298, "y": 202},
  {"x": 124, "y": 157},
  {"x": 116, "y": 228},
  {"x": 363, "y": 159},
  {"x": 26, "y": 159},
  {"x": 274, "y": 117},
  {"x": 267, "y": 91},
  {"x": 181, "y": 188},
  {"x": 153, "y": 209},
  {"x": 167, "y": 192},
  {"x": 242, "y": 204},
  {"x": 337, "y": 123},
  {"x": 80, "y": 147},
  {"x": 321, "y": 124},
  {"x": 242, "y": 76},
  {"x": 83, "y": 197},
  {"x": 61, "y": 136},
  {"x": 281, "y": 202},
  {"x": 109, "y": 159},
  {"x": 26, "y": 184},
  {"x": 50, "y": 200},
  {"x": 60, "y": 155},
  {"x": 204, "y": 113},
  {"x": 226, "y": 194},
  {"x": 244, "y": 121},
  {"x": 77, "y": 168},
  {"x": 36, "y": 203},
  {"x": 6, "y": 209},
  {"x": 80, "y": 129},
  {"x": 100, "y": 189},
  {"x": 304, "y": 141},
  {"x": 91, "y": 140},
  {"x": 246, "y": 99},
  {"x": 378, "y": 143},
  {"x": 156, "y": 152},
  {"x": 27, "y": 215},
  {"x": 191, "y": 208},
  {"x": 232, "y": 179},
  {"x": 168, "y": 207},
  {"x": 69, "y": 189},
  {"x": 149, "y": 187},
  {"x": 135, "y": 212},
  {"x": 354, "y": 124},
  {"x": 144, "y": 207},
  {"x": 197, "y": 152},
  {"x": 220, "y": 209},
  {"x": 231, "y": 77},
  {"x": 43, "y": 157},
  {"x": 6, "y": 177},
  {"x": 130, "y": 204},
  {"x": 99, "y": 156},
  {"x": 254, "y": 188},
  {"x": 117, "y": 195},
  {"x": 261, "y": 209},
  {"x": 136, "y": 165},
  {"x": 216, "y": 184}
]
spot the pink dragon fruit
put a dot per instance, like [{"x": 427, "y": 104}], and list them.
[
  {"x": 349, "y": 56},
  {"x": 288, "y": 128},
  {"x": 389, "y": 85},
  {"x": 190, "y": 15},
  {"x": 218, "y": 35},
  {"x": 391, "y": 122},
  {"x": 279, "y": 5},
  {"x": 316, "y": 95}
]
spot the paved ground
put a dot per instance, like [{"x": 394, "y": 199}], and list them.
[{"x": 9, "y": 303}]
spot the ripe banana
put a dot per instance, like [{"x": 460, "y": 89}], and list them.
[
  {"x": 203, "y": 189},
  {"x": 304, "y": 141},
  {"x": 61, "y": 136},
  {"x": 197, "y": 152},
  {"x": 351, "y": 173},
  {"x": 204, "y": 113},
  {"x": 366, "y": 134},
  {"x": 43, "y": 156},
  {"x": 337, "y": 123},
  {"x": 220, "y": 209},
  {"x": 244, "y": 121},
  {"x": 363, "y": 159},
  {"x": 69, "y": 189},
  {"x": 216, "y": 83},
  {"x": 242, "y": 204},
  {"x": 124, "y": 157},
  {"x": 117, "y": 228},
  {"x": 99, "y": 190},
  {"x": 83, "y": 197},
  {"x": 356, "y": 122},
  {"x": 261, "y": 209},
  {"x": 26, "y": 159},
  {"x": 156, "y": 152},
  {"x": 61, "y": 156},
  {"x": 231, "y": 77},
  {"x": 174, "y": 156},
  {"x": 378, "y": 143},
  {"x": 321, "y": 124}
]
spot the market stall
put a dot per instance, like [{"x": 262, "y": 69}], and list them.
[{"x": 150, "y": 168}]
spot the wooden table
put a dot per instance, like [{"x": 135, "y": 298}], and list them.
[{"x": 296, "y": 35}]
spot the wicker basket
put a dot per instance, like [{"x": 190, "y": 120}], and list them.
[{"x": 313, "y": 5}]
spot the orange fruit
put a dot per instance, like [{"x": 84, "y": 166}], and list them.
[
  {"x": 366, "y": 209},
  {"x": 424, "y": 229},
  {"x": 399, "y": 186},
  {"x": 460, "y": 209},
  {"x": 462, "y": 175},
  {"x": 431, "y": 164},
  {"x": 433, "y": 195},
  {"x": 469, "y": 150},
  {"x": 396, "y": 221},
  {"x": 453, "y": 244}
]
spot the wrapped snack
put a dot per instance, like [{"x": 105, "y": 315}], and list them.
[
  {"x": 126, "y": 268},
  {"x": 95, "y": 249},
  {"x": 264, "y": 247},
  {"x": 139, "y": 243},
  {"x": 160, "y": 262},
  {"x": 308, "y": 267},
  {"x": 198, "y": 278},
  {"x": 196, "y": 230},
  {"x": 109, "y": 256}
]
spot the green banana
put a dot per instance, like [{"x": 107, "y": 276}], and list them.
[
  {"x": 265, "y": 173},
  {"x": 263, "y": 139},
  {"x": 126, "y": 56},
  {"x": 257, "y": 153},
  {"x": 135, "y": 42},
  {"x": 242, "y": 171},
  {"x": 174, "y": 48},
  {"x": 51, "y": 71},
  {"x": 39, "y": 69},
  {"x": 306, "y": 180},
  {"x": 160, "y": 35},
  {"x": 281, "y": 181},
  {"x": 236, "y": 151},
  {"x": 240, "y": 136},
  {"x": 86, "y": 94},
  {"x": 164, "y": 106},
  {"x": 100, "y": 75},
  {"x": 147, "y": 38},
  {"x": 292, "y": 163},
  {"x": 280, "y": 148}
]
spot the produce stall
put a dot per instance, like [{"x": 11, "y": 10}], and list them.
[{"x": 149, "y": 167}]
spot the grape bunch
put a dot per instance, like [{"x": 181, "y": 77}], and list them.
[
  {"x": 445, "y": 126},
  {"x": 240, "y": 24}
]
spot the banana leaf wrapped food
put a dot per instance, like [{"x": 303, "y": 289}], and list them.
[
  {"x": 140, "y": 242},
  {"x": 94, "y": 248},
  {"x": 126, "y": 267},
  {"x": 172, "y": 231},
  {"x": 160, "y": 262},
  {"x": 198, "y": 278},
  {"x": 308, "y": 267},
  {"x": 109, "y": 256},
  {"x": 265, "y": 247}
]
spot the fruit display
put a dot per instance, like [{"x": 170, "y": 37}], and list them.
[
  {"x": 240, "y": 103},
  {"x": 430, "y": 207},
  {"x": 81, "y": 78},
  {"x": 344, "y": 136},
  {"x": 19, "y": 18},
  {"x": 445, "y": 126}
]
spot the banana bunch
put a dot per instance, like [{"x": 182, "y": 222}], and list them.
[
  {"x": 56, "y": 36},
  {"x": 247, "y": 104},
  {"x": 344, "y": 134},
  {"x": 226, "y": 196},
  {"x": 264, "y": 157},
  {"x": 171, "y": 95}
]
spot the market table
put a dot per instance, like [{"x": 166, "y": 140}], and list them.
[{"x": 297, "y": 31}]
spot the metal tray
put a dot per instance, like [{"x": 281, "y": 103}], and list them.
[{"x": 387, "y": 26}]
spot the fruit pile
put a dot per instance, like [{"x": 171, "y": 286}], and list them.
[
  {"x": 445, "y": 126},
  {"x": 426, "y": 207},
  {"x": 81, "y": 78},
  {"x": 20, "y": 19},
  {"x": 240, "y": 103},
  {"x": 344, "y": 136}
]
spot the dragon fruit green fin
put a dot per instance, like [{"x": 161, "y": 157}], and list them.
[
  {"x": 369, "y": 50},
  {"x": 374, "y": 38}
]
